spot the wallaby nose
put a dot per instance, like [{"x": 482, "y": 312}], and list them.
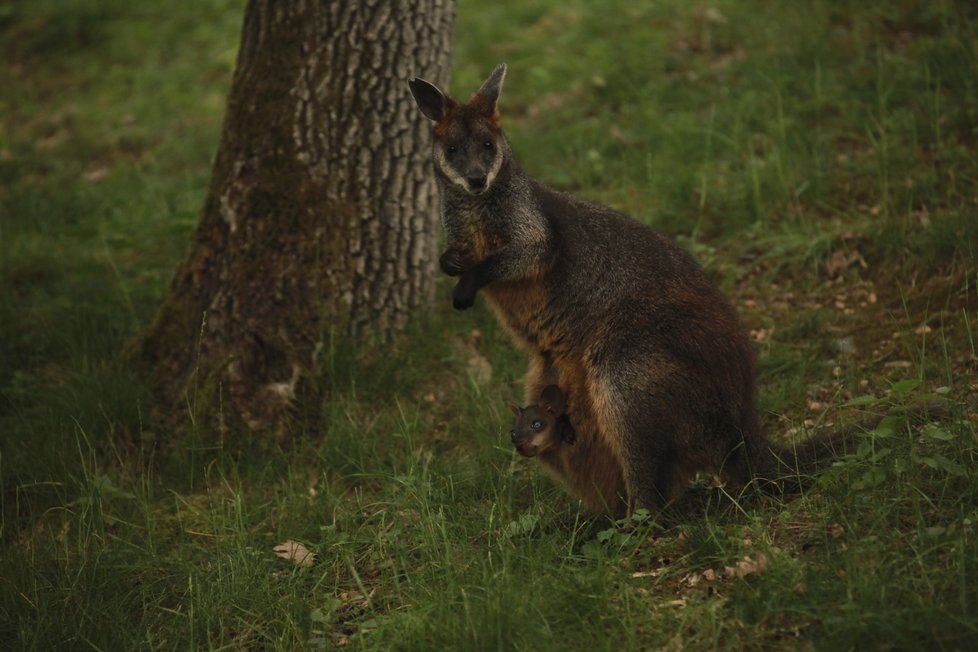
[{"x": 477, "y": 183}]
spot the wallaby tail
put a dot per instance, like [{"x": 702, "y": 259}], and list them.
[{"x": 791, "y": 467}]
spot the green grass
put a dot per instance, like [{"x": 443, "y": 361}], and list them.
[{"x": 768, "y": 137}]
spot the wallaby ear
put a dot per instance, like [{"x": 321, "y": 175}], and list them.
[
  {"x": 491, "y": 87},
  {"x": 553, "y": 399},
  {"x": 432, "y": 102},
  {"x": 515, "y": 410}
]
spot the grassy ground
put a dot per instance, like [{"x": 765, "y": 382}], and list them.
[{"x": 819, "y": 158}]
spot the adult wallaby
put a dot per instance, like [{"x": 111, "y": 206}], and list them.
[
  {"x": 588, "y": 468},
  {"x": 653, "y": 360}
]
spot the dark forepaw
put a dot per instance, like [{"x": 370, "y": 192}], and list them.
[
  {"x": 463, "y": 296},
  {"x": 453, "y": 262},
  {"x": 566, "y": 430}
]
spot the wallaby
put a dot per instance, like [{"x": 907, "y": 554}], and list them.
[
  {"x": 654, "y": 362},
  {"x": 541, "y": 428},
  {"x": 588, "y": 468}
]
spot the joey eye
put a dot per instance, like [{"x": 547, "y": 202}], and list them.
[
  {"x": 488, "y": 144},
  {"x": 537, "y": 424},
  {"x": 451, "y": 149}
]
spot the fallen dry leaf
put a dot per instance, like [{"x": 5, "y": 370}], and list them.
[
  {"x": 748, "y": 566},
  {"x": 480, "y": 369},
  {"x": 898, "y": 364},
  {"x": 760, "y": 334},
  {"x": 617, "y": 134},
  {"x": 651, "y": 573},
  {"x": 842, "y": 260},
  {"x": 295, "y": 551},
  {"x": 53, "y": 140},
  {"x": 474, "y": 338},
  {"x": 352, "y": 599},
  {"x": 96, "y": 174}
]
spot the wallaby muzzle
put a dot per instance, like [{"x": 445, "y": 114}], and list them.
[{"x": 525, "y": 448}]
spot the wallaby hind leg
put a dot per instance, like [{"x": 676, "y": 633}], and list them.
[
  {"x": 672, "y": 482},
  {"x": 621, "y": 428},
  {"x": 643, "y": 493}
]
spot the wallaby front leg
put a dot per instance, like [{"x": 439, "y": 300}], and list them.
[
  {"x": 463, "y": 295},
  {"x": 509, "y": 263},
  {"x": 472, "y": 280}
]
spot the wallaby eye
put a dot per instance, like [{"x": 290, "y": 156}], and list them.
[
  {"x": 451, "y": 149},
  {"x": 537, "y": 424},
  {"x": 488, "y": 144}
]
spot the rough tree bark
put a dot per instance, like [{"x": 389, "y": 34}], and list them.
[{"x": 321, "y": 215}]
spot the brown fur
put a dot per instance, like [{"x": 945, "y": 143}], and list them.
[
  {"x": 582, "y": 461},
  {"x": 591, "y": 472}
]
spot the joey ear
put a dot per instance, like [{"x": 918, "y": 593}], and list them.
[
  {"x": 432, "y": 102},
  {"x": 491, "y": 87},
  {"x": 515, "y": 410},
  {"x": 553, "y": 399}
]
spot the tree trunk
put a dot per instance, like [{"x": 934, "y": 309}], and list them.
[{"x": 321, "y": 216}]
